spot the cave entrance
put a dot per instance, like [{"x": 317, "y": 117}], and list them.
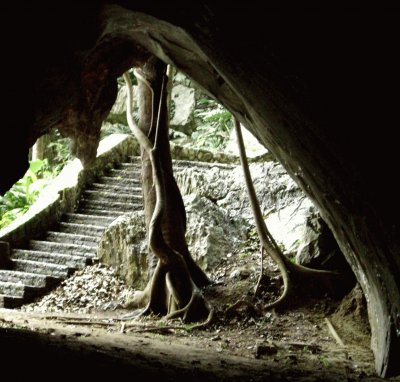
[{"x": 274, "y": 106}]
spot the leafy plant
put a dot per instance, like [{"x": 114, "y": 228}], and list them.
[
  {"x": 324, "y": 361},
  {"x": 61, "y": 153},
  {"x": 214, "y": 125},
  {"x": 24, "y": 193}
]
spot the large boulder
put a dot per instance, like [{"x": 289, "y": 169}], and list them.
[
  {"x": 211, "y": 233},
  {"x": 123, "y": 246},
  {"x": 118, "y": 111},
  {"x": 184, "y": 102}
]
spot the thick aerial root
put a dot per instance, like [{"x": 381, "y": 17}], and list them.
[
  {"x": 289, "y": 271},
  {"x": 197, "y": 309},
  {"x": 139, "y": 299},
  {"x": 174, "y": 281},
  {"x": 295, "y": 275}
]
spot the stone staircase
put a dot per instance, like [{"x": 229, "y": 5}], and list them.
[{"x": 47, "y": 261}]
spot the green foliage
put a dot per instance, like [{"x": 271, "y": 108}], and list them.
[
  {"x": 252, "y": 244},
  {"x": 324, "y": 361},
  {"x": 214, "y": 125},
  {"x": 60, "y": 152},
  {"x": 244, "y": 255},
  {"x": 24, "y": 193}
]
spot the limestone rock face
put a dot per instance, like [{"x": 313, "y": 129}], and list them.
[
  {"x": 219, "y": 218},
  {"x": 211, "y": 234},
  {"x": 253, "y": 147},
  {"x": 317, "y": 240},
  {"x": 219, "y": 213},
  {"x": 183, "y": 99},
  {"x": 123, "y": 246},
  {"x": 118, "y": 111}
]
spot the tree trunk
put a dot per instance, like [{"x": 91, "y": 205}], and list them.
[{"x": 171, "y": 268}]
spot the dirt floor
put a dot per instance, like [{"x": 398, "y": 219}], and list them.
[{"x": 241, "y": 344}]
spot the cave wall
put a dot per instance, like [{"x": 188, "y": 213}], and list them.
[{"x": 320, "y": 90}]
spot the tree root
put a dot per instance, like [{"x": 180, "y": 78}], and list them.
[
  {"x": 289, "y": 271},
  {"x": 130, "y": 327},
  {"x": 139, "y": 299},
  {"x": 171, "y": 291},
  {"x": 260, "y": 276},
  {"x": 196, "y": 309},
  {"x": 333, "y": 331}
]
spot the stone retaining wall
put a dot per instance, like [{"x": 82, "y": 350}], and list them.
[{"x": 63, "y": 192}]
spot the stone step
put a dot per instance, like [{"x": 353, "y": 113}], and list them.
[
  {"x": 126, "y": 182},
  {"x": 84, "y": 229},
  {"x": 180, "y": 164},
  {"x": 19, "y": 290},
  {"x": 64, "y": 248},
  {"x": 134, "y": 159},
  {"x": 72, "y": 238},
  {"x": 12, "y": 289},
  {"x": 135, "y": 191},
  {"x": 74, "y": 244},
  {"x": 80, "y": 218},
  {"x": 134, "y": 165},
  {"x": 125, "y": 173},
  {"x": 25, "y": 278},
  {"x": 11, "y": 302},
  {"x": 53, "y": 270},
  {"x": 111, "y": 196},
  {"x": 70, "y": 261},
  {"x": 102, "y": 213},
  {"x": 108, "y": 205}
]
